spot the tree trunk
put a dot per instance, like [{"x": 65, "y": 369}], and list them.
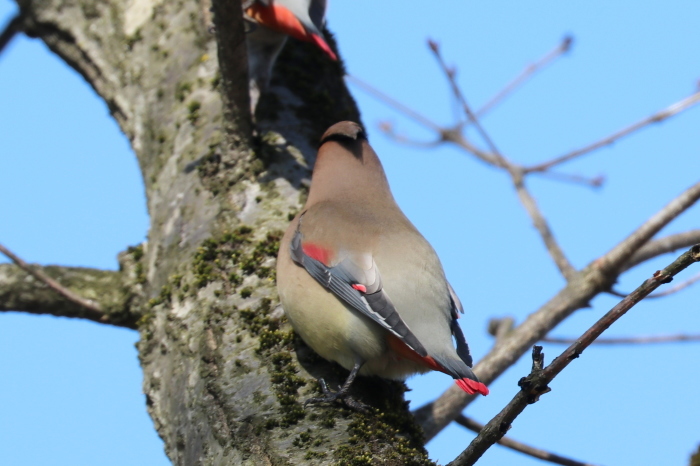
[{"x": 224, "y": 375}]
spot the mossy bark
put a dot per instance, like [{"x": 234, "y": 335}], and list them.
[{"x": 224, "y": 375}]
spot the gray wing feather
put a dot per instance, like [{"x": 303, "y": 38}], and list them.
[
  {"x": 456, "y": 303},
  {"x": 375, "y": 304}
]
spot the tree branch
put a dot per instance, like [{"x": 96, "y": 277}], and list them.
[
  {"x": 540, "y": 223},
  {"x": 527, "y": 73},
  {"x": 595, "y": 278},
  {"x": 615, "y": 259},
  {"x": 11, "y": 29},
  {"x": 515, "y": 172},
  {"x": 391, "y": 102},
  {"x": 93, "y": 311},
  {"x": 536, "y": 383},
  {"x": 661, "y": 246},
  {"x": 658, "y": 117},
  {"x": 508, "y": 442},
  {"x": 629, "y": 340},
  {"x": 500, "y": 160},
  {"x": 661, "y": 294},
  {"x": 22, "y": 291}
]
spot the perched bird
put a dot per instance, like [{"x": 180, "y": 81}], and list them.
[
  {"x": 269, "y": 22},
  {"x": 359, "y": 283}
]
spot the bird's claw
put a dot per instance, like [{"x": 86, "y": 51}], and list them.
[{"x": 342, "y": 396}]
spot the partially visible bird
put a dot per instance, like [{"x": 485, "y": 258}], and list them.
[
  {"x": 269, "y": 24},
  {"x": 359, "y": 283}
]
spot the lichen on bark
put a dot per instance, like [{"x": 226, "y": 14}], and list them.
[{"x": 224, "y": 375}]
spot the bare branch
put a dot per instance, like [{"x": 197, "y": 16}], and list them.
[
  {"x": 615, "y": 259},
  {"x": 20, "y": 291},
  {"x": 661, "y": 246},
  {"x": 515, "y": 172},
  {"x": 629, "y": 340},
  {"x": 13, "y": 27},
  {"x": 597, "y": 277},
  {"x": 501, "y": 327},
  {"x": 658, "y": 117},
  {"x": 527, "y": 73},
  {"x": 661, "y": 294},
  {"x": 595, "y": 182},
  {"x": 508, "y": 442},
  {"x": 540, "y": 223},
  {"x": 388, "y": 129},
  {"x": 391, "y": 102},
  {"x": 450, "y": 74},
  {"x": 92, "y": 309},
  {"x": 536, "y": 383}
]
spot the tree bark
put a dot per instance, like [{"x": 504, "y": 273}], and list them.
[{"x": 224, "y": 375}]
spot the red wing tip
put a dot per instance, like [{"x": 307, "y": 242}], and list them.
[
  {"x": 318, "y": 40},
  {"x": 472, "y": 387}
]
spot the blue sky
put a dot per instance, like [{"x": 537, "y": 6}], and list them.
[{"x": 71, "y": 194}]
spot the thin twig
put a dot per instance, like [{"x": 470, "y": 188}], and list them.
[
  {"x": 11, "y": 29},
  {"x": 540, "y": 223},
  {"x": 537, "y": 382},
  {"x": 527, "y": 73},
  {"x": 453, "y": 135},
  {"x": 388, "y": 129},
  {"x": 661, "y": 246},
  {"x": 93, "y": 309},
  {"x": 658, "y": 117},
  {"x": 661, "y": 294},
  {"x": 450, "y": 74},
  {"x": 614, "y": 260},
  {"x": 628, "y": 340},
  {"x": 515, "y": 172},
  {"x": 508, "y": 442},
  {"x": 595, "y": 182},
  {"x": 379, "y": 95}
]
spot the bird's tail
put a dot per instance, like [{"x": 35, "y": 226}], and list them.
[{"x": 463, "y": 375}]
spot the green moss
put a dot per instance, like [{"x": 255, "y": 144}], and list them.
[
  {"x": 262, "y": 250},
  {"x": 246, "y": 292},
  {"x": 145, "y": 319},
  {"x": 216, "y": 81},
  {"x": 133, "y": 39},
  {"x": 215, "y": 258},
  {"x": 140, "y": 275},
  {"x": 390, "y": 434},
  {"x": 193, "y": 111},
  {"x": 182, "y": 90},
  {"x": 312, "y": 455},
  {"x": 136, "y": 252}
]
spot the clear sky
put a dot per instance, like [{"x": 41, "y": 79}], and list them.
[{"x": 71, "y": 194}]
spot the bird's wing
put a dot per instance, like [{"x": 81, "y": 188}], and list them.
[
  {"x": 356, "y": 281},
  {"x": 317, "y": 12}
]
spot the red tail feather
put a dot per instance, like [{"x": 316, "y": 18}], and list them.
[{"x": 470, "y": 386}]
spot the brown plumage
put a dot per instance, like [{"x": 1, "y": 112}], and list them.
[{"x": 359, "y": 283}]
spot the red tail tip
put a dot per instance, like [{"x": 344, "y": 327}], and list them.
[
  {"x": 472, "y": 387},
  {"x": 318, "y": 40}
]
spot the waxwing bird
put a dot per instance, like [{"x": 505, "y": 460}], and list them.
[
  {"x": 359, "y": 283},
  {"x": 269, "y": 22}
]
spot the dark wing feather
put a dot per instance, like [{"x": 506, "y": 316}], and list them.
[
  {"x": 462, "y": 347},
  {"x": 339, "y": 280}
]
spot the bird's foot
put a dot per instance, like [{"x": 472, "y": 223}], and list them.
[{"x": 342, "y": 396}]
